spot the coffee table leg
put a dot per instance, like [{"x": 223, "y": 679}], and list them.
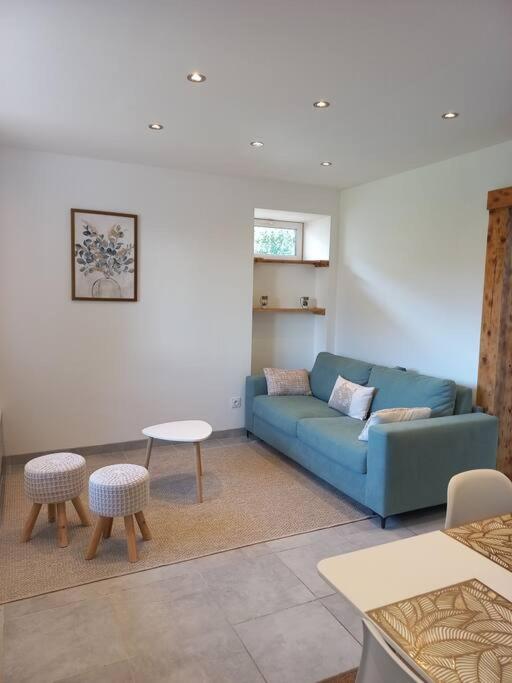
[
  {"x": 199, "y": 472},
  {"x": 148, "y": 451}
]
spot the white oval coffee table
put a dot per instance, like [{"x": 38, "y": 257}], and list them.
[{"x": 181, "y": 431}]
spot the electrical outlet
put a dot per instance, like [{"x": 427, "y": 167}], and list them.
[{"x": 236, "y": 402}]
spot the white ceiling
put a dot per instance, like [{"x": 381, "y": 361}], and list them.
[{"x": 87, "y": 76}]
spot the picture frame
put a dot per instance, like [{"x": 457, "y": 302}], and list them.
[{"x": 104, "y": 255}]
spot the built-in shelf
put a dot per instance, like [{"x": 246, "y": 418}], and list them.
[
  {"x": 317, "y": 264},
  {"x": 269, "y": 309}
]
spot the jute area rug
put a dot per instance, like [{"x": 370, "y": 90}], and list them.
[{"x": 251, "y": 494}]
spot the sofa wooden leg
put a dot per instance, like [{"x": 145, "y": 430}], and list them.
[{"x": 382, "y": 522}]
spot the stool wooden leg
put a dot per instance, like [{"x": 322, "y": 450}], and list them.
[
  {"x": 62, "y": 525},
  {"x": 130, "y": 538},
  {"x": 31, "y": 520},
  {"x": 107, "y": 528},
  {"x": 199, "y": 472},
  {"x": 96, "y": 537},
  {"x": 51, "y": 512},
  {"x": 143, "y": 526},
  {"x": 82, "y": 512},
  {"x": 148, "y": 451}
]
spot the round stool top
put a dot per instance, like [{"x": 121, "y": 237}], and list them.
[
  {"x": 118, "y": 490},
  {"x": 47, "y": 465},
  {"x": 55, "y": 478},
  {"x": 189, "y": 431},
  {"x": 122, "y": 475}
]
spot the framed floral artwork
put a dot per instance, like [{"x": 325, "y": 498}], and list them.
[{"x": 103, "y": 256}]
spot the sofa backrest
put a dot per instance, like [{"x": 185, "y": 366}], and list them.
[
  {"x": 396, "y": 388},
  {"x": 326, "y": 369},
  {"x": 463, "y": 400}
]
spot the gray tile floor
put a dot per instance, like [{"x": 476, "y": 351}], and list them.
[{"x": 261, "y": 613}]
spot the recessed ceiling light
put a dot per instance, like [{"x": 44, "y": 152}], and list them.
[
  {"x": 257, "y": 144},
  {"x": 196, "y": 77},
  {"x": 450, "y": 115},
  {"x": 155, "y": 126},
  {"x": 326, "y": 163},
  {"x": 321, "y": 104}
]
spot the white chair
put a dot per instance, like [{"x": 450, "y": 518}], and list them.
[
  {"x": 477, "y": 494},
  {"x": 379, "y": 663}
]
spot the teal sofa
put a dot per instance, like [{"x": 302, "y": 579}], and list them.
[{"x": 403, "y": 466}]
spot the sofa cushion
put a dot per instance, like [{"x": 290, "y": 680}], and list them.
[
  {"x": 399, "y": 389},
  {"x": 326, "y": 369},
  {"x": 336, "y": 438},
  {"x": 283, "y": 412},
  {"x": 389, "y": 415},
  {"x": 463, "y": 400},
  {"x": 351, "y": 399},
  {"x": 282, "y": 382}
]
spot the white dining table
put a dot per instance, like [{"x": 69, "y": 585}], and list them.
[{"x": 384, "y": 574}]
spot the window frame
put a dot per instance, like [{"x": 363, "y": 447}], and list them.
[{"x": 287, "y": 225}]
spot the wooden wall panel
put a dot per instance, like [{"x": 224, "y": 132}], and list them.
[
  {"x": 500, "y": 199},
  {"x": 494, "y": 392}
]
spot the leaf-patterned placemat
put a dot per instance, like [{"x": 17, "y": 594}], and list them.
[
  {"x": 489, "y": 537},
  {"x": 458, "y": 634}
]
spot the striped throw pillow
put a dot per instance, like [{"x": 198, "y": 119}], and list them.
[{"x": 387, "y": 415}]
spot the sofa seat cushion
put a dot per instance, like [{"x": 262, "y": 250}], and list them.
[
  {"x": 399, "y": 389},
  {"x": 337, "y": 439},
  {"x": 284, "y": 412}
]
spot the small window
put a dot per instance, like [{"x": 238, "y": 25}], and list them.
[{"x": 278, "y": 239}]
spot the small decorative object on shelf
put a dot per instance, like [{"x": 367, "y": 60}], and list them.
[
  {"x": 304, "y": 301},
  {"x": 264, "y": 301}
]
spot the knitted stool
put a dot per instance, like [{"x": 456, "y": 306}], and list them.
[
  {"x": 119, "y": 491},
  {"x": 52, "y": 480}
]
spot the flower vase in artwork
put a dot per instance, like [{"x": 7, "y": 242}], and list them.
[
  {"x": 105, "y": 255},
  {"x": 106, "y": 288}
]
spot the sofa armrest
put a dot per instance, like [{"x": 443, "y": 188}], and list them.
[
  {"x": 255, "y": 385},
  {"x": 409, "y": 464}
]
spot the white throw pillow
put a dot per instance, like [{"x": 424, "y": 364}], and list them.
[
  {"x": 351, "y": 399},
  {"x": 394, "y": 415},
  {"x": 287, "y": 382}
]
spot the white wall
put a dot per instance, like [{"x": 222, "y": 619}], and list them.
[
  {"x": 283, "y": 340},
  {"x": 411, "y": 264},
  {"x": 290, "y": 340},
  {"x": 84, "y": 373},
  {"x": 317, "y": 238}
]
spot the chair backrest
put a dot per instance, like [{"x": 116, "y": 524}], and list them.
[
  {"x": 477, "y": 494},
  {"x": 379, "y": 663}
]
